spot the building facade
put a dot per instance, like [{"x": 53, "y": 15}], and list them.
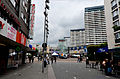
[
  {"x": 14, "y": 32},
  {"x": 77, "y": 37},
  {"x": 95, "y": 25},
  {"x": 112, "y": 12}
]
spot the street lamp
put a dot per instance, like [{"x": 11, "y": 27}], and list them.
[{"x": 44, "y": 45}]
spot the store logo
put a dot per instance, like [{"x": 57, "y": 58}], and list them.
[{"x": 1, "y": 25}]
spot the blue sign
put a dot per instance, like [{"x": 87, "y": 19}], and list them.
[
  {"x": 79, "y": 47},
  {"x": 30, "y": 45},
  {"x": 105, "y": 49},
  {"x": 75, "y": 48},
  {"x": 84, "y": 47},
  {"x": 71, "y": 48}
]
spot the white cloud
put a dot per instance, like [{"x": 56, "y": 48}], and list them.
[{"x": 63, "y": 16}]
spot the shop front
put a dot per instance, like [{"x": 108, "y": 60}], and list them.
[{"x": 116, "y": 59}]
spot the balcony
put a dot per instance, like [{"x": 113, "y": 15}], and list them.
[
  {"x": 115, "y": 17},
  {"x": 117, "y": 40},
  {"x": 116, "y": 28},
  {"x": 114, "y": 6}
]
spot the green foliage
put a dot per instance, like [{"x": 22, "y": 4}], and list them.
[{"x": 116, "y": 28}]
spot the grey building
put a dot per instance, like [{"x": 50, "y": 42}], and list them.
[
  {"x": 95, "y": 25},
  {"x": 77, "y": 37},
  {"x": 112, "y": 13}
]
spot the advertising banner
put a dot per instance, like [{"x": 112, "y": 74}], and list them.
[
  {"x": 11, "y": 32},
  {"x": 3, "y": 29},
  {"x": 7, "y": 30},
  {"x": 32, "y": 17},
  {"x": 18, "y": 37},
  {"x": 105, "y": 49}
]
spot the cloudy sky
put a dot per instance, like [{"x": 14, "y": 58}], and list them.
[{"x": 63, "y": 16}]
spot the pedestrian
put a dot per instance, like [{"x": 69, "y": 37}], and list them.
[
  {"x": 55, "y": 58},
  {"x": 48, "y": 60},
  {"x": 108, "y": 68},
  {"x": 51, "y": 60},
  {"x": 32, "y": 59},
  {"x": 78, "y": 59},
  {"x": 38, "y": 57},
  {"x": 87, "y": 63}
]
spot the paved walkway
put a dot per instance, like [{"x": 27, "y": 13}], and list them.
[{"x": 30, "y": 71}]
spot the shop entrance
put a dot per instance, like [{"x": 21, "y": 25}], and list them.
[{"x": 3, "y": 59}]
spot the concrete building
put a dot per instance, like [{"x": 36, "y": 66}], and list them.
[
  {"x": 112, "y": 13},
  {"x": 77, "y": 41},
  {"x": 95, "y": 25},
  {"x": 14, "y": 32},
  {"x": 77, "y": 37}
]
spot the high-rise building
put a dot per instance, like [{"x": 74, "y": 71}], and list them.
[
  {"x": 112, "y": 13},
  {"x": 77, "y": 37},
  {"x": 14, "y": 31},
  {"x": 95, "y": 25}
]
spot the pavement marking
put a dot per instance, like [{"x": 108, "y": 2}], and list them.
[
  {"x": 107, "y": 76},
  {"x": 51, "y": 74},
  {"x": 66, "y": 71},
  {"x": 89, "y": 70},
  {"x": 74, "y": 78}
]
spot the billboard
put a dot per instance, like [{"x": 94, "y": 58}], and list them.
[
  {"x": 10, "y": 32},
  {"x": 32, "y": 17}
]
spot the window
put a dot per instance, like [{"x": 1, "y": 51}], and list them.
[
  {"x": 114, "y": 3},
  {"x": 22, "y": 15},
  {"x": 117, "y": 35},
  {"x": 13, "y": 2},
  {"x": 116, "y": 23},
  {"x": 23, "y": 3},
  {"x": 115, "y": 13}
]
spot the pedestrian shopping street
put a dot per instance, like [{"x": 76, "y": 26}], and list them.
[{"x": 62, "y": 69}]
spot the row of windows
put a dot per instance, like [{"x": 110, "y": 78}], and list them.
[
  {"x": 24, "y": 3},
  {"x": 117, "y": 35},
  {"x": 23, "y": 17},
  {"x": 8, "y": 19}
]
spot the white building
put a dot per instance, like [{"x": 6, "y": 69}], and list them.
[
  {"x": 67, "y": 41},
  {"x": 77, "y": 37},
  {"x": 112, "y": 13},
  {"x": 95, "y": 25}
]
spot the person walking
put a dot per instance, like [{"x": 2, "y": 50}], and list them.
[
  {"x": 108, "y": 68},
  {"x": 78, "y": 59},
  {"x": 32, "y": 59},
  {"x": 55, "y": 58},
  {"x": 51, "y": 60}
]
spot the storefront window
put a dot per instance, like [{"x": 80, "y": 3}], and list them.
[{"x": 14, "y": 58}]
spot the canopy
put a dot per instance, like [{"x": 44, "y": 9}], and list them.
[{"x": 54, "y": 54}]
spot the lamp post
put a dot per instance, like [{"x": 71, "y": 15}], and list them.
[{"x": 46, "y": 32}]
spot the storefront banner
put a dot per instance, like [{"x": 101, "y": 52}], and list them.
[
  {"x": 11, "y": 33},
  {"x": 22, "y": 39},
  {"x": 105, "y": 49},
  {"x": 7, "y": 30},
  {"x": 32, "y": 16},
  {"x": 30, "y": 46},
  {"x": 3, "y": 30},
  {"x": 18, "y": 37}
]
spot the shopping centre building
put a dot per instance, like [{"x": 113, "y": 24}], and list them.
[{"x": 16, "y": 24}]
